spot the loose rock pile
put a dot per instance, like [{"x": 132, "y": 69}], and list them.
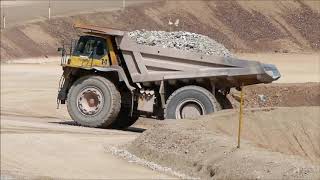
[
  {"x": 180, "y": 40},
  {"x": 134, "y": 159}
]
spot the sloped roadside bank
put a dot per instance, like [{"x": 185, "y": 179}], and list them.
[
  {"x": 278, "y": 95},
  {"x": 204, "y": 148},
  {"x": 274, "y": 26}
]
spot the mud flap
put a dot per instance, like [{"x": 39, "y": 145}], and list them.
[{"x": 64, "y": 84}]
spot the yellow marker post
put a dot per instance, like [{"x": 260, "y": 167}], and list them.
[{"x": 240, "y": 116}]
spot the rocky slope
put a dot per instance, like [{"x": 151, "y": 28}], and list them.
[{"x": 241, "y": 26}]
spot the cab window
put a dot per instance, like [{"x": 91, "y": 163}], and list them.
[{"x": 93, "y": 47}]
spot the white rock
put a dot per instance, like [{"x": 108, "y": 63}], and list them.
[{"x": 180, "y": 40}]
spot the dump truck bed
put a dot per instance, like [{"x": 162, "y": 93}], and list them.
[{"x": 152, "y": 64}]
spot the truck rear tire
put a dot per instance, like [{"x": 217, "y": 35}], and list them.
[
  {"x": 93, "y": 101},
  {"x": 190, "y": 102}
]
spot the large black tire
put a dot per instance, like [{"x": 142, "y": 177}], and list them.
[
  {"x": 124, "y": 120},
  {"x": 190, "y": 94},
  {"x": 108, "y": 110}
]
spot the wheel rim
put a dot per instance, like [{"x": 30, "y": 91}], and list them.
[
  {"x": 189, "y": 109},
  {"x": 90, "y": 101}
]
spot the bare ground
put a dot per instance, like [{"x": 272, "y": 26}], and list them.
[
  {"x": 280, "y": 143},
  {"x": 275, "y": 26},
  {"x": 29, "y": 91},
  {"x": 294, "y": 67},
  {"x": 45, "y": 148},
  {"x": 278, "y": 95},
  {"x": 37, "y": 141}
]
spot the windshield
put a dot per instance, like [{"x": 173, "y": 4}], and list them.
[{"x": 90, "y": 46}]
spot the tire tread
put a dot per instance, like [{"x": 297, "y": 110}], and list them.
[
  {"x": 215, "y": 103},
  {"x": 116, "y": 99}
]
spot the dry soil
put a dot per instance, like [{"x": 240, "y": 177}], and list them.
[
  {"x": 35, "y": 136},
  {"x": 39, "y": 141},
  {"x": 275, "y": 26},
  {"x": 280, "y": 143},
  {"x": 43, "y": 148}
]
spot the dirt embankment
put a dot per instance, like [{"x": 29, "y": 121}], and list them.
[
  {"x": 279, "y": 139},
  {"x": 282, "y": 143},
  {"x": 278, "y": 95},
  {"x": 242, "y": 26}
]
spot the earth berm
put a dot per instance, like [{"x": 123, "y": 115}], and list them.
[{"x": 278, "y": 143}]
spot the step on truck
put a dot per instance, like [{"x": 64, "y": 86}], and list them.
[{"x": 109, "y": 80}]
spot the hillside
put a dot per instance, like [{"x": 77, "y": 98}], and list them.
[{"x": 242, "y": 26}]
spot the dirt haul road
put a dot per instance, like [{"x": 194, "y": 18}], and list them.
[
  {"x": 37, "y": 142},
  {"x": 41, "y": 147}
]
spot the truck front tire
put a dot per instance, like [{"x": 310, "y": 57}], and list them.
[
  {"x": 190, "y": 102},
  {"x": 124, "y": 119},
  {"x": 93, "y": 101}
]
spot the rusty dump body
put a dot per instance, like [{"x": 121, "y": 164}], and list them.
[
  {"x": 158, "y": 79},
  {"x": 155, "y": 64}
]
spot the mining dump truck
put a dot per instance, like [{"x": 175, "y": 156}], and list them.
[{"x": 109, "y": 80}]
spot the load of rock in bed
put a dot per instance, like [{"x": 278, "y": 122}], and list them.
[{"x": 181, "y": 40}]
